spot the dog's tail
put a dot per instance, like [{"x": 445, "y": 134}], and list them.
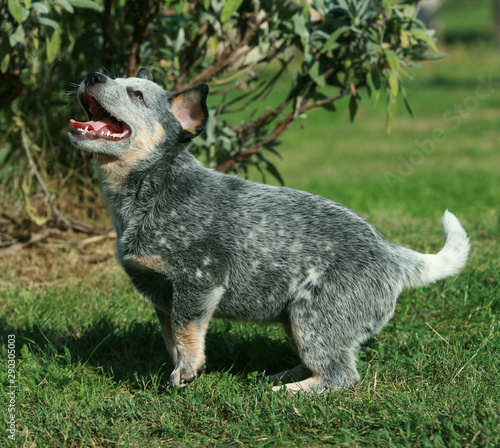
[{"x": 447, "y": 262}]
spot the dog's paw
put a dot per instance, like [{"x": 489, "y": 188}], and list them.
[
  {"x": 314, "y": 384},
  {"x": 296, "y": 374},
  {"x": 182, "y": 376}
]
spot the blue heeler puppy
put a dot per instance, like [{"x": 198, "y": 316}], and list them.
[{"x": 199, "y": 244}]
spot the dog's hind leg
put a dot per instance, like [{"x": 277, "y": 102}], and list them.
[
  {"x": 325, "y": 347},
  {"x": 298, "y": 373}
]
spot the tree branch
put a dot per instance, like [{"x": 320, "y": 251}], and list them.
[
  {"x": 282, "y": 126},
  {"x": 141, "y": 23},
  {"x": 14, "y": 90},
  {"x": 61, "y": 219},
  {"x": 227, "y": 57},
  {"x": 190, "y": 55}
]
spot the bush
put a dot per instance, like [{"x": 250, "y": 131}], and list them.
[{"x": 320, "y": 50}]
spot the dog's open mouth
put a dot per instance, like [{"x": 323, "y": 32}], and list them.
[{"x": 101, "y": 123}]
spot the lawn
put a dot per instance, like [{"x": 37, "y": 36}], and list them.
[{"x": 91, "y": 366}]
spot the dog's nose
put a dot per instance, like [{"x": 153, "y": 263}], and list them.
[{"x": 95, "y": 78}]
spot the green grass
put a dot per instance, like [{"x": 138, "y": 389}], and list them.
[
  {"x": 91, "y": 364},
  {"x": 92, "y": 368},
  {"x": 472, "y": 24}
]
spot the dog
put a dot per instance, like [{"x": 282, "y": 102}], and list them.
[{"x": 199, "y": 244}]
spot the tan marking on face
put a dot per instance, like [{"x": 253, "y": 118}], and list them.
[
  {"x": 149, "y": 262},
  {"x": 115, "y": 170}
]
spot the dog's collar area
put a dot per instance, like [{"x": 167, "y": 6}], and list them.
[{"x": 101, "y": 123}]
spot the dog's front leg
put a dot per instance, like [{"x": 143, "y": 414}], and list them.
[
  {"x": 168, "y": 337},
  {"x": 186, "y": 348},
  {"x": 189, "y": 340},
  {"x": 192, "y": 308}
]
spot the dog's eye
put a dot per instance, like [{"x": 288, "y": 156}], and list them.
[{"x": 137, "y": 94}]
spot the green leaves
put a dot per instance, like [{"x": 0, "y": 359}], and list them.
[
  {"x": 392, "y": 59},
  {"x": 48, "y": 22},
  {"x": 16, "y": 10},
  {"x": 87, "y": 4},
  {"x": 300, "y": 28},
  {"x": 40, "y": 21},
  {"x": 344, "y": 47},
  {"x": 392, "y": 79},
  {"x": 369, "y": 44},
  {"x": 353, "y": 107},
  {"x": 53, "y": 44},
  {"x": 17, "y": 36},
  {"x": 5, "y": 169},
  {"x": 331, "y": 43},
  {"x": 66, "y": 5},
  {"x": 229, "y": 9}
]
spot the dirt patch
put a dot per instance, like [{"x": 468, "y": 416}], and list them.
[{"x": 51, "y": 256}]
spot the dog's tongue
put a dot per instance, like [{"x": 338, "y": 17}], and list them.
[{"x": 98, "y": 126}]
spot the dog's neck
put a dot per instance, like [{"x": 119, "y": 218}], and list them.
[
  {"x": 115, "y": 170},
  {"x": 141, "y": 183}
]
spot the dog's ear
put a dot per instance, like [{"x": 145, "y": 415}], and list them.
[
  {"x": 190, "y": 109},
  {"x": 144, "y": 73}
]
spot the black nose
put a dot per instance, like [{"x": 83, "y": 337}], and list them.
[{"x": 95, "y": 78}]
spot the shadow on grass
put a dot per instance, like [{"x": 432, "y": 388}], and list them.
[{"x": 135, "y": 352}]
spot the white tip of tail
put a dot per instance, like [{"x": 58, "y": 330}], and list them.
[{"x": 454, "y": 254}]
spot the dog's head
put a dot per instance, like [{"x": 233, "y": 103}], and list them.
[{"x": 133, "y": 117}]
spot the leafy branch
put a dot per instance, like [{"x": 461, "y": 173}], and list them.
[{"x": 268, "y": 64}]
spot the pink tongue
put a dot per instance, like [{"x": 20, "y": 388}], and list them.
[{"x": 103, "y": 126}]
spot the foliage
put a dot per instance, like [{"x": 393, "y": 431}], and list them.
[{"x": 312, "y": 53}]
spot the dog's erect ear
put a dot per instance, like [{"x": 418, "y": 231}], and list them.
[
  {"x": 144, "y": 73},
  {"x": 190, "y": 109}
]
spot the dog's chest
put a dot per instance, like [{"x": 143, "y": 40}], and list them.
[
  {"x": 163, "y": 243},
  {"x": 155, "y": 263},
  {"x": 144, "y": 251}
]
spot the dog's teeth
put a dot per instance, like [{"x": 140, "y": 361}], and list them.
[
  {"x": 86, "y": 129},
  {"x": 109, "y": 134}
]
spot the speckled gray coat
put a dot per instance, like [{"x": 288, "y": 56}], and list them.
[{"x": 199, "y": 244}]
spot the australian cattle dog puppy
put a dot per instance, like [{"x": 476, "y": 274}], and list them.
[{"x": 199, "y": 244}]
